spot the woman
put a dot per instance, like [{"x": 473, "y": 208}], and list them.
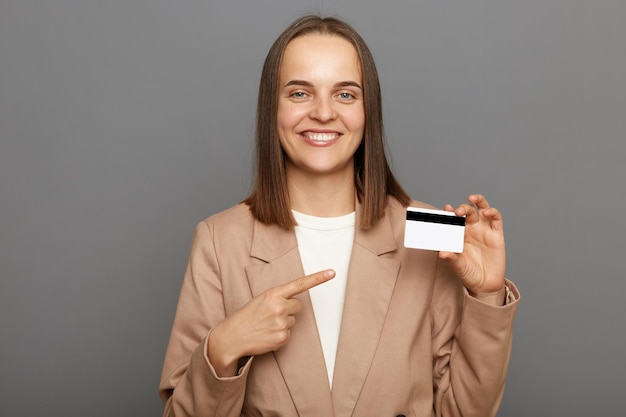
[{"x": 302, "y": 300}]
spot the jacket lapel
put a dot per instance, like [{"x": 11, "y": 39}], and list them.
[
  {"x": 371, "y": 280},
  {"x": 301, "y": 360}
]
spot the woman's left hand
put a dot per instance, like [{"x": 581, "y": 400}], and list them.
[{"x": 482, "y": 264}]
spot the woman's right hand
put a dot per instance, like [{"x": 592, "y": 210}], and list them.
[{"x": 263, "y": 325}]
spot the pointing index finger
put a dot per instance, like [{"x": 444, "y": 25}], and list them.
[{"x": 302, "y": 284}]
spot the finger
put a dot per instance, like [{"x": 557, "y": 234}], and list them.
[
  {"x": 495, "y": 218},
  {"x": 292, "y": 306},
  {"x": 285, "y": 322},
  {"x": 469, "y": 211},
  {"x": 448, "y": 255},
  {"x": 461, "y": 211},
  {"x": 493, "y": 213},
  {"x": 466, "y": 210},
  {"x": 479, "y": 200},
  {"x": 302, "y": 284},
  {"x": 454, "y": 259},
  {"x": 448, "y": 207}
]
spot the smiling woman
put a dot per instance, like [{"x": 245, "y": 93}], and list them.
[
  {"x": 374, "y": 181},
  {"x": 320, "y": 122},
  {"x": 302, "y": 300}
]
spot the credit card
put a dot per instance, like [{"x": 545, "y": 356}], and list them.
[{"x": 436, "y": 230}]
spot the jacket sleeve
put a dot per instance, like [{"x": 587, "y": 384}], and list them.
[
  {"x": 189, "y": 385},
  {"x": 471, "y": 348}
]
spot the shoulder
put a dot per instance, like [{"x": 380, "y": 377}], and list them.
[
  {"x": 228, "y": 231},
  {"x": 233, "y": 214},
  {"x": 234, "y": 220}
]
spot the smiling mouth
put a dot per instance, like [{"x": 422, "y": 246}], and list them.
[{"x": 320, "y": 137}]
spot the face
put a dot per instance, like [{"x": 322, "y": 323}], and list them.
[{"x": 320, "y": 116}]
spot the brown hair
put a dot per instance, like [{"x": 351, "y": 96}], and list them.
[{"x": 374, "y": 181}]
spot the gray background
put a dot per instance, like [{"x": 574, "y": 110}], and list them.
[{"x": 125, "y": 122}]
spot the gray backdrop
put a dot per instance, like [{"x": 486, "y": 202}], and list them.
[{"x": 125, "y": 122}]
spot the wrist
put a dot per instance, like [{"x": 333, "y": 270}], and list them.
[
  {"x": 223, "y": 362},
  {"x": 496, "y": 298}
]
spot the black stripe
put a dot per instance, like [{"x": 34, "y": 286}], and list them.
[{"x": 435, "y": 218}]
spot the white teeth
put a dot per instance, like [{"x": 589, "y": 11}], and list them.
[{"x": 321, "y": 137}]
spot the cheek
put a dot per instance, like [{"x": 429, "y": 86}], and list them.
[
  {"x": 355, "y": 120},
  {"x": 288, "y": 116},
  {"x": 286, "y": 122},
  {"x": 281, "y": 117}
]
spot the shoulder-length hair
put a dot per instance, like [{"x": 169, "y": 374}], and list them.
[{"x": 374, "y": 181}]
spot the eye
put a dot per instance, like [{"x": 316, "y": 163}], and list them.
[
  {"x": 346, "y": 96},
  {"x": 298, "y": 94}
]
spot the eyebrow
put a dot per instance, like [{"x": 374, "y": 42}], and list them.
[{"x": 339, "y": 84}]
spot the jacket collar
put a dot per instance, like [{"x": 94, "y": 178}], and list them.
[{"x": 371, "y": 279}]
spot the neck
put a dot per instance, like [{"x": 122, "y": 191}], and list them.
[{"x": 322, "y": 196}]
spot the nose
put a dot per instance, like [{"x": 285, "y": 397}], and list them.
[{"x": 323, "y": 109}]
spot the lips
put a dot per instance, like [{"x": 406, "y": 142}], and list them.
[{"x": 320, "y": 138}]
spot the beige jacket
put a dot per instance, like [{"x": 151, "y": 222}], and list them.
[{"x": 413, "y": 342}]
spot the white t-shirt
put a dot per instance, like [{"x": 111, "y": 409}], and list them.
[{"x": 326, "y": 243}]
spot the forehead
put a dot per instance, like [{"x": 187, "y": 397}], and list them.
[{"x": 320, "y": 55}]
